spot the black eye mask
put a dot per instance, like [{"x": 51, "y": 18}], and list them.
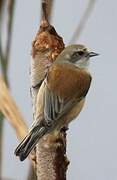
[{"x": 76, "y": 56}]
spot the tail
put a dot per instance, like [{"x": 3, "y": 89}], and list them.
[{"x": 29, "y": 142}]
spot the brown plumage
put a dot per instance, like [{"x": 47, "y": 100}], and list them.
[
  {"x": 61, "y": 96},
  {"x": 66, "y": 80}
]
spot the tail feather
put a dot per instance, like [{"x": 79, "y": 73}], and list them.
[{"x": 29, "y": 142}]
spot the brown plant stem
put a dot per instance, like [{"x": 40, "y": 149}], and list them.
[
  {"x": 51, "y": 161},
  {"x": 47, "y": 6},
  {"x": 50, "y": 8}
]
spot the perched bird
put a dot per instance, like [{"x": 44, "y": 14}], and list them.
[{"x": 60, "y": 97}]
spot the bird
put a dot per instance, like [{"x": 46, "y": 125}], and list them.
[{"x": 61, "y": 96}]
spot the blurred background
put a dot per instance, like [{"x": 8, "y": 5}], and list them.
[{"x": 92, "y": 140}]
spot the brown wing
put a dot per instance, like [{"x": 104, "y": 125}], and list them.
[{"x": 64, "y": 88}]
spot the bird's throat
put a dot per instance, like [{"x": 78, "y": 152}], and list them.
[{"x": 82, "y": 64}]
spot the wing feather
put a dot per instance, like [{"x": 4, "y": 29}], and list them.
[{"x": 58, "y": 101}]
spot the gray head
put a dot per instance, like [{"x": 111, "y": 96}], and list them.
[{"x": 78, "y": 55}]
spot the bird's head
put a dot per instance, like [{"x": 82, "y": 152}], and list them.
[{"x": 78, "y": 55}]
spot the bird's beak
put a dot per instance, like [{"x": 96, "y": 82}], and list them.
[{"x": 91, "y": 54}]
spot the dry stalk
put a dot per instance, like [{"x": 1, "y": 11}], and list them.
[
  {"x": 11, "y": 112},
  {"x": 51, "y": 162}
]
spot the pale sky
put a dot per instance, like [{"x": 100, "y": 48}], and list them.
[{"x": 92, "y": 141}]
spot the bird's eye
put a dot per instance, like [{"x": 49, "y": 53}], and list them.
[
  {"x": 80, "y": 53},
  {"x": 77, "y": 56}
]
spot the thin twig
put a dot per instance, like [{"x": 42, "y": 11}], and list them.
[
  {"x": 1, "y": 50},
  {"x": 1, "y": 8},
  {"x": 2, "y": 2},
  {"x": 44, "y": 10},
  {"x": 83, "y": 21},
  {"x": 50, "y": 8},
  {"x": 1, "y": 56},
  {"x": 8, "y": 108},
  {"x": 11, "y": 5},
  {"x": 4, "y": 58},
  {"x": 47, "y": 6}
]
